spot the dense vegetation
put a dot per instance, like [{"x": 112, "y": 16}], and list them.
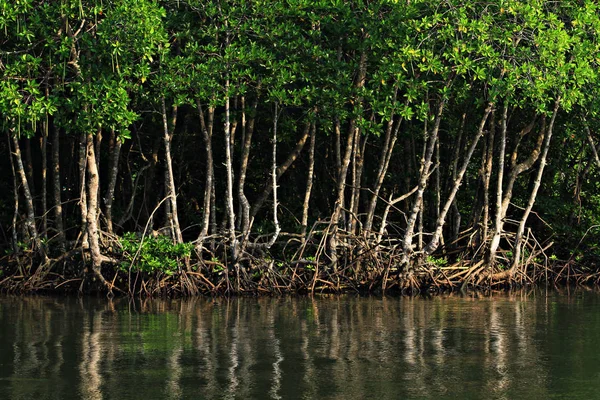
[{"x": 232, "y": 146}]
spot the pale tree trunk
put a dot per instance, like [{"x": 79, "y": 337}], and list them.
[
  {"x": 172, "y": 216},
  {"x": 407, "y": 245},
  {"x": 515, "y": 171},
  {"x": 115, "y": 151},
  {"x": 281, "y": 170},
  {"x": 439, "y": 226},
  {"x": 384, "y": 162},
  {"x": 343, "y": 172},
  {"x": 489, "y": 164},
  {"x": 357, "y": 169},
  {"x": 92, "y": 210},
  {"x": 456, "y": 216},
  {"x": 43, "y": 150},
  {"x": 538, "y": 180},
  {"x": 30, "y": 218},
  {"x": 207, "y": 130},
  {"x": 56, "y": 189},
  {"x": 244, "y": 218},
  {"x": 498, "y": 216},
  {"x": 98, "y": 150},
  {"x": 274, "y": 179},
  {"x": 309, "y": 179},
  {"x": 83, "y": 206},
  {"x": 229, "y": 187},
  {"x": 15, "y": 236},
  {"x": 29, "y": 167}
]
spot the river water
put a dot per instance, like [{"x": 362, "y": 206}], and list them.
[{"x": 534, "y": 345}]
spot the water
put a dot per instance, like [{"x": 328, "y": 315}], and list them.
[{"x": 527, "y": 345}]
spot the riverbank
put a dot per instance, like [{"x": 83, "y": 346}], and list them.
[{"x": 378, "y": 273}]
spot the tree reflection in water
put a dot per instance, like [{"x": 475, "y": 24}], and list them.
[{"x": 342, "y": 347}]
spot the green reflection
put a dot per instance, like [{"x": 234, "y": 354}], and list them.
[{"x": 526, "y": 345}]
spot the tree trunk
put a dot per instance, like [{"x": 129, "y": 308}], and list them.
[
  {"x": 207, "y": 130},
  {"x": 489, "y": 156},
  {"x": 384, "y": 162},
  {"x": 44, "y": 194},
  {"x": 92, "y": 210},
  {"x": 426, "y": 162},
  {"x": 515, "y": 171},
  {"x": 229, "y": 187},
  {"x": 115, "y": 151},
  {"x": 538, "y": 180},
  {"x": 30, "y": 218},
  {"x": 435, "y": 240},
  {"x": 15, "y": 236},
  {"x": 280, "y": 171},
  {"x": 83, "y": 206},
  {"x": 498, "y": 216},
  {"x": 274, "y": 179},
  {"x": 244, "y": 222},
  {"x": 343, "y": 172},
  {"x": 172, "y": 217},
  {"x": 309, "y": 179}
]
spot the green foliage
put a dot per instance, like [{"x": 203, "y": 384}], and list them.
[
  {"x": 153, "y": 254},
  {"x": 436, "y": 262}
]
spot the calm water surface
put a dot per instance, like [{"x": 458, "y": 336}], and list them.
[{"x": 521, "y": 346}]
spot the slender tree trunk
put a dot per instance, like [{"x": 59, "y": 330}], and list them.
[
  {"x": 357, "y": 166},
  {"x": 92, "y": 208},
  {"x": 384, "y": 162},
  {"x": 30, "y": 218},
  {"x": 274, "y": 179},
  {"x": 172, "y": 217},
  {"x": 435, "y": 240},
  {"x": 487, "y": 177},
  {"x": 243, "y": 201},
  {"x": 15, "y": 237},
  {"x": 281, "y": 170},
  {"x": 456, "y": 216},
  {"x": 538, "y": 180},
  {"x": 229, "y": 187},
  {"x": 29, "y": 167},
  {"x": 115, "y": 151},
  {"x": 515, "y": 171},
  {"x": 83, "y": 206},
  {"x": 499, "y": 195},
  {"x": 426, "y": 162},
  {"x": 309, "y": 179},
  {"x": 44, "y": 194},
  {"x": 207, "y": 130},
  {"x": 341, "y": 181}
]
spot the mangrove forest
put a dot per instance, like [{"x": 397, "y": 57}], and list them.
[{"x": 184, "y": 147}]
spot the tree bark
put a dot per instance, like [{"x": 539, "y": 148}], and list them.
[
  {"x": 44, "y": 194},
  {"x": 281, "y": 170},
  {"x": 499, "y": 195},
  {"x": 30, "y": 216},
  {"x": 83, "y": 206},
  {"x": 274, "y": 178},
  {"x": 515, "y": 171},
  {"x": 435, "y": 240},
  {"x": 207, "y": 131},
  {"x": 115, "y": 151},
  {"x": 92, "y": 209},
  {"x": 243, "y": 201},
  {"x": 172, "y": 217},
  {"x": 426, "y": 162},
  {"x": 309, "y": 179},
  {"x": 538, "y": 180},
  {"x": 384, "y": 162},
  {"x": 229, "y": 187}
]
